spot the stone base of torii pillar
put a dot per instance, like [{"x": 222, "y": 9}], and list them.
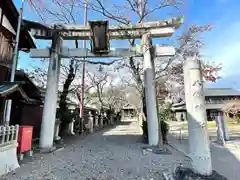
[{"x": 183, "y": 173}]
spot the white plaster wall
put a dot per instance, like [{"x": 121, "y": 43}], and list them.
[{"x": 8, "y": 158}]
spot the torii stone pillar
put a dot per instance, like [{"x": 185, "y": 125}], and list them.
[
  {"x": 196, "y": 115},
  {"x": 150, "y": 91},
  {"x": 50, "y": 102},
  {"x": 225, "y": 128}
]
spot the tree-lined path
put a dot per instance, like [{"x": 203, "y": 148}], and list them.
[{"x": 111, "y": 154}]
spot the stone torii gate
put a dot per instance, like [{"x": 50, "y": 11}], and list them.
[{"x": 58, "y": 33}]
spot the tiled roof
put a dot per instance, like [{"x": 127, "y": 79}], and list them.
[
  {"x": 211, "y": 92},
  {"x": 128, "y": 106},
  {"x": 7, "y": 88},
  {"x": 94, "y": 101}
]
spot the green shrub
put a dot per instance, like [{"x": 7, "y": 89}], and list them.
[
  {"x": 145, "y": 129},
  {"x": 165, "y": 112},
  {"x": 164, "y": 130}
]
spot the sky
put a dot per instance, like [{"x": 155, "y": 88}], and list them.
[{"x": 222, "y": 44}]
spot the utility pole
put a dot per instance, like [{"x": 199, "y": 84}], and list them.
[
  {"x": 8, "y": 104},
  {"x": 83, "y": 69}
]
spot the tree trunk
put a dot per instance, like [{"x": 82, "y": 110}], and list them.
[
  {"x": 144, "y": 104},
  {"x": 63, "y": 110}
]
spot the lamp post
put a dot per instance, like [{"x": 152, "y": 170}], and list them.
[{"x": 8, "y": 104}]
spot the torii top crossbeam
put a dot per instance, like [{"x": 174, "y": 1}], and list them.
[{"x": 163, "y": 28}]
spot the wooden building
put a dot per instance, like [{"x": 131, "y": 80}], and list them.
[
  {"x": 23, "y": 92},
  {"x": 129, "y": 110},
  {"x": 215, "y": 102},
  {"x": 8, "y": 28},
  {"x": 26, "y": 100}
]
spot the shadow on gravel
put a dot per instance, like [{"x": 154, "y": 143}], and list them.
[{"x": 225, "y": 162}]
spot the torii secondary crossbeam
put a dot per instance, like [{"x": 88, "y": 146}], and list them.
[{"x": 57, "y": 33}]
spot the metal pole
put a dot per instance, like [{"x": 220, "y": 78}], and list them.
[
  {"x": 83, "y": 69},
  {"x": 14, "y": 64}
]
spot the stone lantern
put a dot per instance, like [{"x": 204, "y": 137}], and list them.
[
  {"x": 90, "y": 121},
  {"x": 56, "y": 130},
  {"x": 96, "y": 119},
  {"x": 71, "y": 126}
]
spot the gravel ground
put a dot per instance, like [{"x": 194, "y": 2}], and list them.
[
  {"x": 115, "y": 154},
  {"x": 224, "y": 160}
]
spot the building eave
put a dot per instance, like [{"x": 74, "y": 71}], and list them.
[{"x": 12, "y": 13}]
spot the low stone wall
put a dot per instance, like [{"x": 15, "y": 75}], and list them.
[{"x": 8, "y": 148}]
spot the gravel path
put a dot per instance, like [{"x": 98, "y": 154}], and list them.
[
  {"x": 224, "y": 161},
  {"x": 115, "y": 154}
]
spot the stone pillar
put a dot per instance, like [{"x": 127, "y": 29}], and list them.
[
  {"x": 225, "y": 128},
  {"x": 101, "y": 119},
  {"x": 71, "y": 127},
  {"x": 50, "y": 102},
  {"x": 140, "y": 119},
  {"x": 90, "y": 121},
  {"x": 150, "y": 91},
  {"x": 111, "y": 118},
  {"x": 222, "y": 131},
  {"x": 105, "y": 117},
  {"x": 220, "y": 135},
  {"x": 196, "y": 114},
  {"x": 122, "y": 114},
  {"x": 56, "y": 130},
  {"x": 96, "y": 120}
]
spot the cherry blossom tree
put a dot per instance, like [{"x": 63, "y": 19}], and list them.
[
  {"x": 168, "y": 70},
  {"x": 63, "y": 11},
  {"x": 232, "y": 108}
]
